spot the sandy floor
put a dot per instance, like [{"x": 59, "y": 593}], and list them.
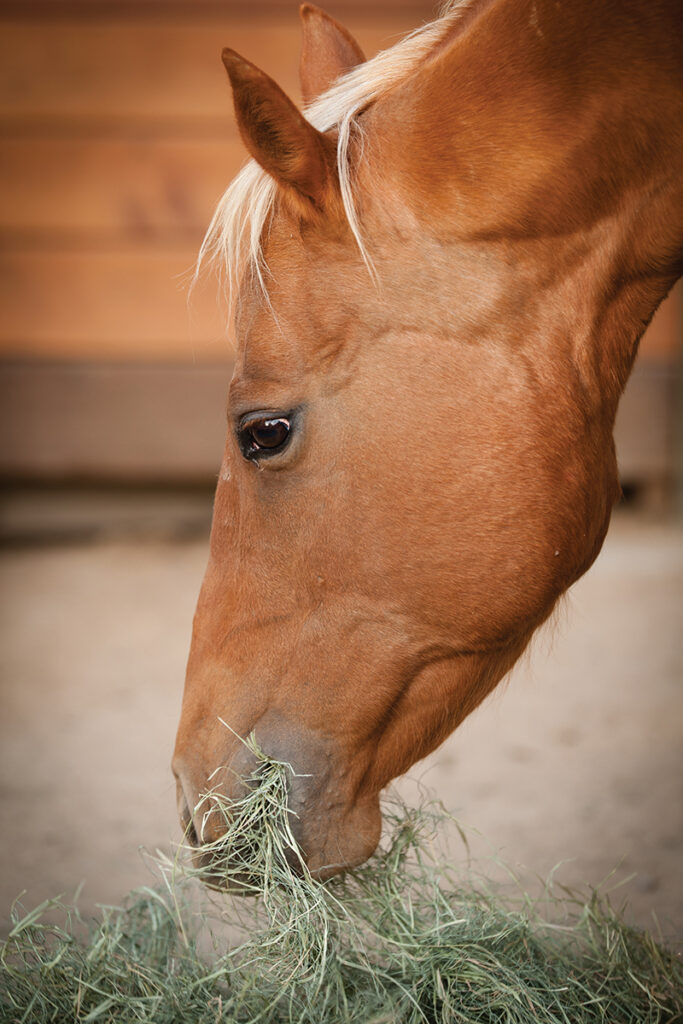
[{"x": 578, "y": 759}]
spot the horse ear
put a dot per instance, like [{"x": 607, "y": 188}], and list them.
[
  {"x": 278, "y": 136},
  {"x": 328, "y": 50}
]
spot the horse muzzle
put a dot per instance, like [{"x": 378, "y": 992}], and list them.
[{"x": 324, "y": 826}]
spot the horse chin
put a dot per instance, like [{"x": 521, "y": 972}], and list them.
[{"x": 339, "y": 846}]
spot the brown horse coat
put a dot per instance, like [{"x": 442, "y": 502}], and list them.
[{"x": 439, "y": 305}]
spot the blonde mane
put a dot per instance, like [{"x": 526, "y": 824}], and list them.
[{"x": 233, "y": 241}]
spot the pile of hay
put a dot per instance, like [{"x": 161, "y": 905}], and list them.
[{"x": 400, "y": 940}]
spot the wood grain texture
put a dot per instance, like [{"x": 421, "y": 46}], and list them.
[
  {"x": 56, "y": 189},
  {"x": 129, "y": 304},
  {"x": 116, "y": 74},
  {"x": 356, "y": 9}
]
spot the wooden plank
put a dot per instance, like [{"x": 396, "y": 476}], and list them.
[
  {"x": 106, "y": 71},
  {"x": 645, "y": 424},
  {"x": 135, "y": 188},
  {"x": 103, "y": 72},
  {"x": 420, "y": 9},
  {"x": 109, "y": 75},
  {"x": 124, "y": 304},
  {"x": 112, "y": 422}
]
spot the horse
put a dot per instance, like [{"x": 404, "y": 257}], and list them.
[{"x": 439, "y": 271}]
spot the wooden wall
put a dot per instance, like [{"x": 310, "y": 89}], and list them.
[{"x": 117, "y": 141}]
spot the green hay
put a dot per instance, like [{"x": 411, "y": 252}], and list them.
[{"x": 401, "y": 940}]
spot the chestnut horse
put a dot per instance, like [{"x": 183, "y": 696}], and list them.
[{"x": 440, "y": 276}]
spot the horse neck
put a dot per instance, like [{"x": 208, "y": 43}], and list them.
[{"x": 551, "y": 136}]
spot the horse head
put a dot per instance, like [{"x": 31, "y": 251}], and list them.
[{"x": 419, "y": 458}]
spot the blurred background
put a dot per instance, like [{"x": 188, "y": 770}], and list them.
[{"x": 117, "y": 141}]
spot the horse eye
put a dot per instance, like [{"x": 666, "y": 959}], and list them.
[{"x": 263, "y": 434}]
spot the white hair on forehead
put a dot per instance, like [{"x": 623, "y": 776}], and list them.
[{"x": 234, "y": 237}]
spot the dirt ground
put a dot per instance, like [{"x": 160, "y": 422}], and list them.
[{"x": 577, "y": 760}]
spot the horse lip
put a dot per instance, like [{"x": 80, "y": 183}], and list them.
[
  {"x": 214, "y": 866},
  {"x": 216, "y": 873},
  {"x": 219, "y": 881}
]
